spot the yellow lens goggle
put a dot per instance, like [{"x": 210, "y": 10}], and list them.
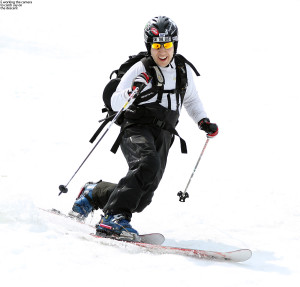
[{"x": 167, "y": 45}]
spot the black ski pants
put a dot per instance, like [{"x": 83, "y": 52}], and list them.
[{"x": 145, "y": 148}]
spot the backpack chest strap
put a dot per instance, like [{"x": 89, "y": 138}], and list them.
[{"x": 158, "y": 82}]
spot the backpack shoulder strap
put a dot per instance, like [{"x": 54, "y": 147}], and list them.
[
  {"x": 129, "y": 63},
  {"x": 158, "y": 81},
  {"x": 181, "y": 79},
  {"x": 154, "y": 71},
  {"x": 182, "y": 59}
]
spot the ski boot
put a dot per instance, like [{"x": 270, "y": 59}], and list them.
[
  {"x": 84, "y": 202},
  {"x": 116, "y": 227}
]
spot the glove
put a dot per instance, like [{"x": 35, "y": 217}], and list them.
[
  {"x": 141, "y": 81},
  {"x": 210, "y": 129}
]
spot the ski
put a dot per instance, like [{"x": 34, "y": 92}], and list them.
[
  {"x": 58, "y": 212},
  {"x": 151, "y": 238},
  {"x": 239, "y": 255},
  {"x": 153, "y": 243}
]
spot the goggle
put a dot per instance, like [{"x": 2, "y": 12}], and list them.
[{"x": 167, "y": 45}]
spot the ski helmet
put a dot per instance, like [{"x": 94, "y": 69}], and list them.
[{"x": 161, "y": 29}]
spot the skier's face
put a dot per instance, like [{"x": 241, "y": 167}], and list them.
[{"x": 162, "y": 56}]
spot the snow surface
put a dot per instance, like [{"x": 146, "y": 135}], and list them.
[{"x": 55, "y": 58}]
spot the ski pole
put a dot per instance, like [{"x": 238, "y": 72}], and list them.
[
  {"x": 184, "y": 195},
  {"x": 63, "y": 188}
]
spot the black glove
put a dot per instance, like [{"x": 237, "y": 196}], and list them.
[
  {"x": 211, "y": 129},
  {"x": 141, "y": 81}
]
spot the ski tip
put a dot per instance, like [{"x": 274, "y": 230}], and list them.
[{"x": 240, "y": 255}]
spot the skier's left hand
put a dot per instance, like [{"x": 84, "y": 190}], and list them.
[{"x": 211, "y": 129}]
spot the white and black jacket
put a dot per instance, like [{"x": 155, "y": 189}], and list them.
[{"x": 191, "y": 102}]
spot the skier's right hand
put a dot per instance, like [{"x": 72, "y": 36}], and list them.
[{"x": 141, "y": 81}]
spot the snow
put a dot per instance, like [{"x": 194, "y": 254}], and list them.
[{"x": 55, "y": 59}]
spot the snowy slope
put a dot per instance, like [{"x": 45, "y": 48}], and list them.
[{"x": 55, "y": 58}]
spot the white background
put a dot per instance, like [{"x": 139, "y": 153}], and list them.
[{"x": 55, "y": 59}]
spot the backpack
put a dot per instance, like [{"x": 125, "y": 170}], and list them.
[
  {"x": 112, "y": 85},
  {"x": 157, "y": 84}
]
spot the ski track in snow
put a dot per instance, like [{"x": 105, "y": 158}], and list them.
[{"x": 245, "y": 192}]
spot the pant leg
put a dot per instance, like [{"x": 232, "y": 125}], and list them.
[
  {"x": 102, "y": 192},
  {"x": 162, "y": 143},
  {"x": 146, "y": 159}
]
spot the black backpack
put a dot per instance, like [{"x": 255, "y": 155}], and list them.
[
  {"x": 112, "y": 85},
  {"x": 154, "y": 72}
]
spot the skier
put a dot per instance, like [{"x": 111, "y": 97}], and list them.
[{"x": 146, "y": 132}]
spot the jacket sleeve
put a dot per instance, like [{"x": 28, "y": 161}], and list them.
[
  {"x": 120, "y": 96},
  {"x": 192, "y": 102}
]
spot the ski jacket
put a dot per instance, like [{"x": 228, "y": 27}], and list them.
[{"x": 191, "y": 102}]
